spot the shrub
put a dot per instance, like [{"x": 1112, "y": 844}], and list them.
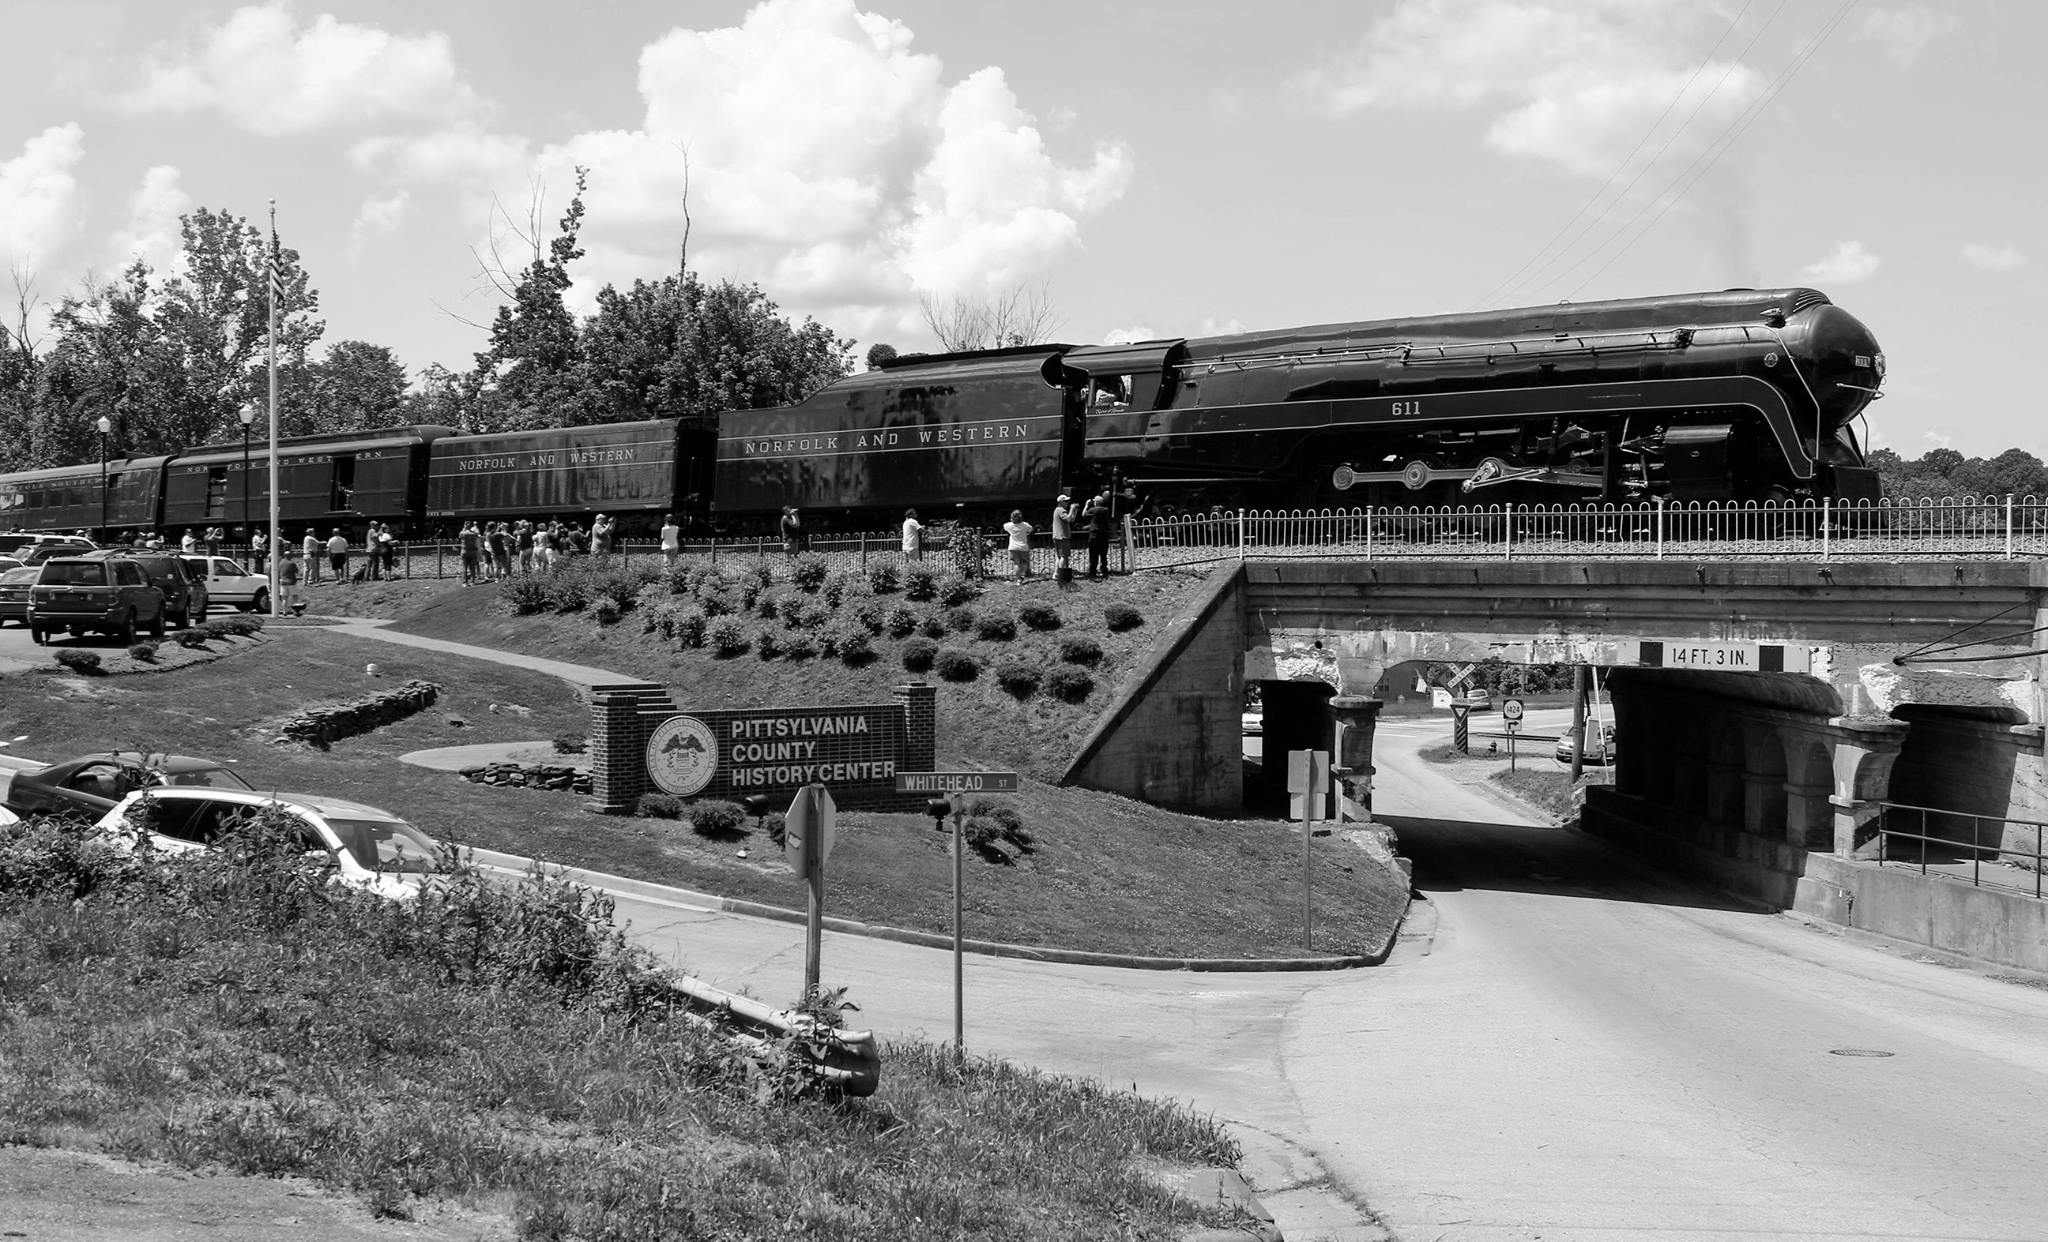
[
  {"x": 1040, "y": 617},
  {"x": 210, "y": 630},
  {"x": 682, "y": 580},
  {"x": 620, "y": 583},
  {"x": 1121, "y": 617},
  {"x": 1068, "y": 685},
  {"x": 934, "y": 626},
  {"x": 145, "y": 652},
  {"x": 989, "y": 824},
  {"x": 571, "y": 744},
  {"x": 919, "y": 653},
  {"x": 955, "y": 591},
  {"x": 689, "y": 628},
  {"x": 854, "y": 648},
  {"x": 769, "y": 606},
  {"x": 1018, "y": 678},
  {"x": 527, "y": 593},
  {"x": 714, "y": 816},
  {"x": 240, "y": 624},
  {"x": 606, "y": 610},
  {"x": 768, "y": 644},
  {"x": 726, "y": 637},
  {"x": 884, "y": 577},
  {"x": 809, "y": 571},
  {"x": 658, "y": 806},
  {"x": 192, "y": 636},
  {"x": 1080, "y": 650},
  {"x": 959, "y": 620},
  {"x": 901, "y": 622},
  {"x": 995, "y": 629},
  {"x": 568, "y": 590},
  {"x": 835, "y": 590},
  {"x": 868, "y": 615},
  {"x": 920, "y": 582},
  {"x": 83, "y": 661},
  {"x": 718, "y": 603},
  {"x": 954, "y": 664},
  {"x": 798, "y": 646}
]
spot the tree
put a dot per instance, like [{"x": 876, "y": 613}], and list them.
[
  {"x": 1015, "y": 316},
  {"x": 527, "y": 378},
  {"x": 879, "y": 353},
  {"x": 216, "y": 316},
  {"x": 357, "y": 386},
  {"x": 678, "y": 348}
]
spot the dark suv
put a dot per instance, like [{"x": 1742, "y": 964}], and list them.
[
  {"x": 106, "y": 594},
  {"x": 185, "y": 597}
]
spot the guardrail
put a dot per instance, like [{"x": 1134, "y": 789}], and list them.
[
  {"x": 1977, "y": 851},
  {"x": 1971, "y": 528}
]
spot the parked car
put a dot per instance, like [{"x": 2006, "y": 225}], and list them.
[
  {"x": 35, "y": 549},
  {"x": 1599, "y": 744},
  {"x": 16, "y": 585},
  {"x": 87, "y": 594},
  {"x": 369, "y": 849},
  {"x": 1479, "y": 700},
  {"x": 1252, "y": 724},
  {"x": 9, "y": 562},
  {"x": 93, "y": 783},
  {"x": 229, "y": 582},
  {"x": 185, "y": 597}
]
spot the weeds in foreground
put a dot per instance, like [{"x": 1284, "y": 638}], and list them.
[{"x": 491, "y": 1040}]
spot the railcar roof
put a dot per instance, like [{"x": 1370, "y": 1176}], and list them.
[
  {"x": 91, "y": 468},
  {"x": 1670, "y": 310}
]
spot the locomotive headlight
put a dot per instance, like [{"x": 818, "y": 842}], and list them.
[{"x": 1877, "y": 364}]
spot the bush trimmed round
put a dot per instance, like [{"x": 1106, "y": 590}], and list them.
[
  {"x": 960, "y": 620},
  {"x": 919, "y": 653},
  {"x": 1018, "y": 678},
  {"x": 658, "y": 806},
  {"x": 995, "y": 629},
  {"x": 1040, "y": 617},
  {"x": 1080, "y": 651},
  {"x": 954, "y": 664},
  {"x": 1069, "y": 685},
  {"x": 1121, "y": 617},
  {"x": 726, "y": 637},
  {"x": 714, "y": 815}
]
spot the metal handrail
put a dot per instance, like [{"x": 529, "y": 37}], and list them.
[{"x": 2001, "y": 850}]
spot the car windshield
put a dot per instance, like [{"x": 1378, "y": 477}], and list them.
[
  {"x": 210, "y": 778},
  {"x": 24, "y": 574},
  {"x": 387, "y": 845},
  {"x": 74, "y": 573}
]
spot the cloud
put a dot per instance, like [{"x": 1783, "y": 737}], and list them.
[
  {"x": 264, "y": 72},
  {"x": 455, "y": 155},
  {"x": 153, "y": 232},
  {"x": 36, "y": 192},
  {"x": 1572, "y": 83},
  {"x": 1846, "y": 264},
  {"x": 1904, "y": 30},
  {"x": 377, "y": 217},
  {"x": 1130, "y": 332},
  {"x": 821, "y": 154},
  {"x": 2006, "y": 258},
  {"x": 1937, "y": 439}
]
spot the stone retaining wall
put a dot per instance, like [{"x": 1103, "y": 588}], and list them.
[
  {"x": 322, "y": 725},
  {"x": 555, "y": 776}
]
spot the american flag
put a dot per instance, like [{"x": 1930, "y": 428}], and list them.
[{"x": 276, "y": 271}]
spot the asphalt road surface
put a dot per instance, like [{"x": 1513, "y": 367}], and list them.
[{"x": 1585, "y": 1049}]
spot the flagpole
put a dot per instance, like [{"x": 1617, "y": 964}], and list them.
[{"x": 276, "y": 544}]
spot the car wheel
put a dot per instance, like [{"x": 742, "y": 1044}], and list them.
[
  {"x": 261, "y": 602},
  {"x": 156, "y": 627},
  {"x": 183, "y": 620},
  {"x": 124, "y": 633},
  {"x": 35, "y": 634}
]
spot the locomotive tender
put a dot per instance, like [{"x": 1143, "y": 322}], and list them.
[{"x": 1738, "y": 395}]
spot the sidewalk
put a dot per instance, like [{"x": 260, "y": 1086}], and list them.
[{"x": 576, "y": 674}]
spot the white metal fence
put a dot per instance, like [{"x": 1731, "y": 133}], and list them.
[{"x": 1969, "y": 528}]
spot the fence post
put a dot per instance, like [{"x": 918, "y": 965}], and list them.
[
  {"x": 437, "y": 560},
  {"x": 863, "y": 551},
  {"x": 2008, "y": 526},
  {"x": 1123, "y": 554},
  {"x": 1660, "y": 528},
  {"x": 1827, "y": 529},
  {"x": 1240, "y": 534},
  {"x": 1507, "y": 518}
]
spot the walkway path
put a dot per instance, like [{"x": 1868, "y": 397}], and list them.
[{"x": 576, "y": 674}]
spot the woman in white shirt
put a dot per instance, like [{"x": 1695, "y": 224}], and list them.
[
  {"x": 671, "y": 539},
  {"x": 913, "y": 536},
  {"x": 1020, "y": 543}
]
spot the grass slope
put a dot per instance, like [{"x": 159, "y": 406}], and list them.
[{"x": 1106, "y": 874}]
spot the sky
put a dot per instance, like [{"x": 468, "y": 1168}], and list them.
[{"x": 1147, "y": 169}]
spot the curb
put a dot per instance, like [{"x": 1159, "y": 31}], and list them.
[{"x": 988, "y": 948}]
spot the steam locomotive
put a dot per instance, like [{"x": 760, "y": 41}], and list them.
[{"x": 1739, "y": 395}]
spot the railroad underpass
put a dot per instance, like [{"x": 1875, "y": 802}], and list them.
[{"x": 1764, "y": 712}]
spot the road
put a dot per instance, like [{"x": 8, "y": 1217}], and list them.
[{"x": 1585, "y": 1049}]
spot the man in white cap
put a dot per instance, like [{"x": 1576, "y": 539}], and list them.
[{"x": 1063, "y": 535}]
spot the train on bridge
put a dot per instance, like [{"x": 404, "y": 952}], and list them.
[{"x": 1744, "y": 394}]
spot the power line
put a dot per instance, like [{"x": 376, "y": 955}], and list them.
[
  {"x": 1707, "y": 159},
  {"x": 1501, "y": 290}
]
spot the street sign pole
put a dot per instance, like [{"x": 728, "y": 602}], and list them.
[
  {"x": 959, "y": 785},
  {"x": 1308, "y": 775},
  {"x": 807, "y": 831},
  {"x": 959, "y": 980}
]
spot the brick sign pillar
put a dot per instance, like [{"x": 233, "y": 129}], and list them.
[
  {"x": 921, "y": 728},
  {"x": 618, "y": 737}
]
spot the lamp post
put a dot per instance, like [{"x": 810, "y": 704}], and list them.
[
  {"x": 105, "y": 426},
  {"x": 248, "y": 416}
]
